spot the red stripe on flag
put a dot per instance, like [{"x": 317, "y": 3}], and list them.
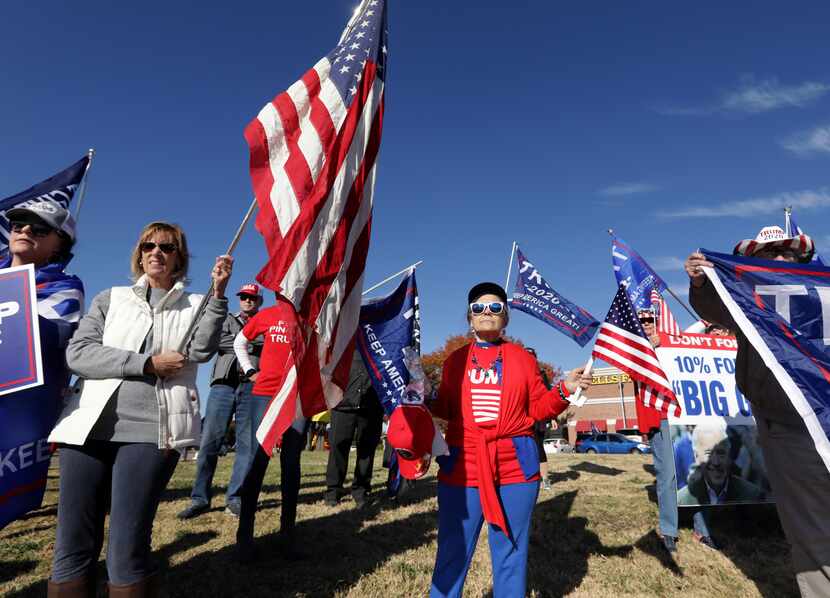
[
  {"x": 320, "y": 117},
  {"x": 296, "y": 166},
  {"x": 263, "y": 182}
]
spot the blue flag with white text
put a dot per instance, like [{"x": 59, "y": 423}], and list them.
[
  {"x": 783, "y": 309},
  {"x": 534, "y": 296},
  {"x": 634, "y": 273},
  {"x": 59, "y": 188},
  {"x": 387, "y": 326}
]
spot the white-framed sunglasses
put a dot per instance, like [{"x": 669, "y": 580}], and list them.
[{"x": 495, "y": 307}]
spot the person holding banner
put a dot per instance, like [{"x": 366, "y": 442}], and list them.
[
  {"x": 41, "y": 234},
  {"x": 798, "y": 476},
  {"x": 134, "y": 408},
  {"x": 491, "y": 394}
]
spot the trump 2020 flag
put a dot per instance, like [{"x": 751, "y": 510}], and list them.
[
  {"x": 387, "y": 327},
  {"x": 783, "y": 309},
  {"x": 634, "y": 274},
  {"x": 59, "y": 189},
  {"x": 534, "y": 296}
]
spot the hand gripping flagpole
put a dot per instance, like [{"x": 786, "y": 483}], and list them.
[
  {"x": 195, "y": 322},
  {"x": 84, "y": 184},
  {"x": 577, "y": 398},
  {"x": 393, "y": 277},
  {"x": 510, "y": 267}
]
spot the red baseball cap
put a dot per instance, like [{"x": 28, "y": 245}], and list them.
[
  {"x": 250, "y": 289},
  {"x": 410, "y": 433}
]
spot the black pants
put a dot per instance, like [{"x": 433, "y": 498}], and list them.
[
  {"x": 365, "y": 426},
  {"x": 293, "y": 443},
  {"x": 125, "y": 478}
]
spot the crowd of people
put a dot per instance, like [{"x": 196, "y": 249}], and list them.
[{"x": 134, "y": 409}]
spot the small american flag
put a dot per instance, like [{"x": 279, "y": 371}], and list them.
[
  {"x": 665, "y": 319},
  {"x": 622, "y": 342},
  {"x": 313, "y": 165}
]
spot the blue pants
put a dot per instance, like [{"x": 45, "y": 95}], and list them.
[
  {"x": 459, "y": 523},
  {"x": 223, "y": 401},
  {"x": 663, "y": 454},
  {"x": 125, "y": 478}
]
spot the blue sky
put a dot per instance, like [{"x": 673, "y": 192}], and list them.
[{"x": 540, "y": 122}]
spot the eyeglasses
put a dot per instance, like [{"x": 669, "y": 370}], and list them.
[
  {"x": 38, "y": 230},
  {"x": 148, "y": 246},
  {"x": 646, "y": 320},
  {"x": 245, "y": 297},
  {"x": 495, "y": 308}
]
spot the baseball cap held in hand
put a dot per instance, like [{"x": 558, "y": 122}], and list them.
[{"x": 410, "y": 433}]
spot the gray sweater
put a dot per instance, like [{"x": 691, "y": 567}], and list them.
[{"x": 132, "y": 414}]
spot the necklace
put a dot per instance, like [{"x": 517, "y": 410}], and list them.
[{"x": 493, "y": 365}]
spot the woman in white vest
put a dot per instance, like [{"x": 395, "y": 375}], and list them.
[{"x": 134, "y": 409}]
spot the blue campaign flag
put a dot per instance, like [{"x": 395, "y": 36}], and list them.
[
  {"x": 783, "y": 309},
  {"x": 534, "y": 296},
  {"x": 20, "y": 365},
  {"x": 797, "y": 230},
  {"x": 59, "y": 189},
  {"x": 388, "y": 326},
  {"x": 634, "y": 273}
]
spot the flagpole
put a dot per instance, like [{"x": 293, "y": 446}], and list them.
[
  {"x": 577, "y": 397},
  {"x": 510, "y": 266},
  {"x": 231, "y": 248},
  {"x": 395, "y": 275},
  {"x": 672, "y": 293},
  {"x": 787, "y": 226},
  {"x": 82, "y": 192}
]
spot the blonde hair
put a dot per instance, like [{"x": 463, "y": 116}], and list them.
[{"x": 179, "y": 239}]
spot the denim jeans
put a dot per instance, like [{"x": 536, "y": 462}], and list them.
[
  {"x": 223, "y": 401},
  {"x": 126, "y": 479},
  {"x": 663, "y": 454}
]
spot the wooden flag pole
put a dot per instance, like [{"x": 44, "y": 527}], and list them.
[
  {"x": 84, "y": 184},
  {"x": 393, "y": 277},
  {"x": 195, "y": 322}
]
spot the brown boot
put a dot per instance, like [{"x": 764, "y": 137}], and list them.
[
  {"x": 81, "y": 587},
  {"x": 146, "y": 588}
]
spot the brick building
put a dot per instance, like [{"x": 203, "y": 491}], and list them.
[{"x": 610, "y": 405}]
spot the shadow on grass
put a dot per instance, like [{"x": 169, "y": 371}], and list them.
[
  {"x": 11, "y": 569},
  {"x": 752, "y": 538},
  {"x": 649, "y": 468},
  {"x": 587, "y": 467},
  {"x": 345, "y": 546},
  {"x": 219, "y": 490},
  {"x": 567, "y": 543},
  {"x": 652, "y": 545},
  {"x": 562, "y": 476}
]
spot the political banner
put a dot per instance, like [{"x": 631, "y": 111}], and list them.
[
  {"x": 783, "y": 310},
  {"x": 20, "y": 360},
  {"x": 716, "y": 454},
  {"x": 534, "y": 296},
  {"x": 634, "y": 274},
  {"x": 386, "y": 330}
]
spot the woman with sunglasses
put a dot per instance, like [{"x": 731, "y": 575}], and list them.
[
  {"x": 134, "y": 408},
  {"x": 491, "y": 394}
]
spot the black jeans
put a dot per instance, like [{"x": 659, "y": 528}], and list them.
[
  {"x": 126, "y": 478},
  {"x": 293, "y": 442},
  {"x": 364, "y": 425}
]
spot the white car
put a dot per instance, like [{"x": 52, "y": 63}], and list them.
[{"x": 557, "y": 445}]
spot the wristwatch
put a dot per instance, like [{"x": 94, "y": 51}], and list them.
[{"x": 250, "y": 372}]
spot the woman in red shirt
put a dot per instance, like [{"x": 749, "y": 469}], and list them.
[{"x": 491, "y": 394}]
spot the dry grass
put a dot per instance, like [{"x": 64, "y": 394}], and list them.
[{"x": 592, "y": 536}]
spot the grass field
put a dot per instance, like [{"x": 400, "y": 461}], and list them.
[{"x": 593, "y": 536}]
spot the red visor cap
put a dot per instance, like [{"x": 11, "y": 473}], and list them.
[{"x": 410, "y": 433}]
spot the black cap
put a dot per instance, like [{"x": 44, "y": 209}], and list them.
[{"x": 486, "y": 288}]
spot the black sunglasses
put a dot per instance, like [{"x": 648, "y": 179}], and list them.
[
  {"x": 38, "y": 230},
  {"x": 148, "y": 246},
  {"x": 246, "y": 297},
  {"x": 646, "y": 320}
]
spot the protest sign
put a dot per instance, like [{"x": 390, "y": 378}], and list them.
[
  {"x": 717, "y": 457},
  {"x": 20, "y": 360}
]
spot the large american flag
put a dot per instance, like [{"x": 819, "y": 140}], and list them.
[
  {"x": 313, "y": 165},
  {"x": 665, "y": 319},
  {"x": 622, "y": 342}
]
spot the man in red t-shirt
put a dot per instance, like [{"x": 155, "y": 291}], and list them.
[{"x": 279, "y": 328}]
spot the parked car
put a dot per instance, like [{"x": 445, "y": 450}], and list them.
[
  {"x": 557, "y": 445},
  {"x": 611, "y": 443}
]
